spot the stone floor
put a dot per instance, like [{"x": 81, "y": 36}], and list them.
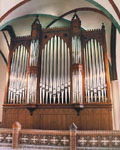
[{"x": 4, "y": 146}]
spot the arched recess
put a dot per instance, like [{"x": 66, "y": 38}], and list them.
[{"x": 55, "y": 72}]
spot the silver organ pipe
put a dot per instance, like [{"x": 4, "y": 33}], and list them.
[
  {"x": 47, "y": 71},
  {"x": 77, "y": 72},
  {"x": 58, "y": 71},
  {"x": 18, "y": 76},
  {"x": 103, "y": 74},
  {"x": 95, "y": 81},
  {"x": 68, "y": 75},
  {"x": 55, "y": 72}
]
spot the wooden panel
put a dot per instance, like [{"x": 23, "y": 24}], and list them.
[{"x": 59, "y": 119}]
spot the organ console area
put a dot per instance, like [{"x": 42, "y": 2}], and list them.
[{"x": 57, "y": 76}]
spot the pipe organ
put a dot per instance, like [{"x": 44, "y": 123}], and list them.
[{"x": 57, "y": 76}]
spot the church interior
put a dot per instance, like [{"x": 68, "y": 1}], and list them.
[{"x": 60, "y": 73}]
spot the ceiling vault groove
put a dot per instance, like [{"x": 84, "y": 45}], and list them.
[
  {"x": 6, "y": 40},
  {"x": 4, "y": 58},
  {"x": 76, "y": 10},
  {"x": 12, "y": 9},
  {"x": 115, "y": 8},
  {"x": 106, "y": 12}
]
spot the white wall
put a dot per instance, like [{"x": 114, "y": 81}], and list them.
[
  {"x": 3, "y": 73},
  {"x": 115, "y": 87},
  {"x": 118, "y": 53},
  {"x": 118, "y": 56},
  {"x": 5, "y": 5},
  {"x": 3, "y": 69}
]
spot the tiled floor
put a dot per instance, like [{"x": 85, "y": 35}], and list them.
[{"x": 4, "y": 146}]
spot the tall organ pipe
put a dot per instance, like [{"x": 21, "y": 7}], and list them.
[
  {"x": 58, "y": 70},
  {"x": 104, "y": 83}
]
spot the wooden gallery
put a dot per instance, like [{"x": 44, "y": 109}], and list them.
[{"x": 59, "y": 76}]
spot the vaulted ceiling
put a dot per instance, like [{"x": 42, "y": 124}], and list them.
[
  {"x": 13, "y": 9},
  {"x": 106, "y": 11}
]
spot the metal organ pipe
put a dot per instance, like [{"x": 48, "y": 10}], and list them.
[
  {"x": 62, "y": 73},
  {"x": 54, "y": 69},
  {"x": 18, "y": 78},
  {"x": 47, "y": 71},
  {"x": 55, "y": 72},
  {"x": 58, "y": 70},
  {"x": 104, "y": 82},
  {"x": 68, "y": 75},
  {"x": 95, "y": 81}
]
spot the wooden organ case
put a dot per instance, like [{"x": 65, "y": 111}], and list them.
[{"x": 58, "y": 76}]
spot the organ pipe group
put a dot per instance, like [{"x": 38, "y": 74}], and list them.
[
  {"x": 95, "y": 81},
  {"x": 18, "y": 76},
  {"x": 55, "y": 72}
]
